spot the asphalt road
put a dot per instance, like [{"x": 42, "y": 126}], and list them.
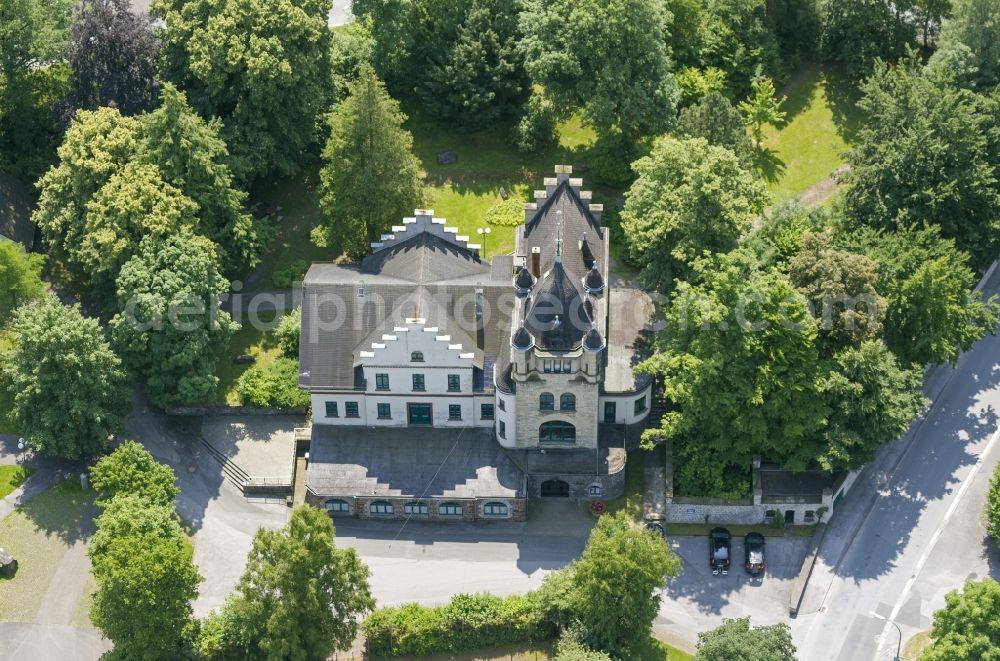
[{"x": 911, "y": 529}]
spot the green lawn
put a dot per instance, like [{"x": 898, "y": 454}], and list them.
[
  {"x": 820, "y": 124},
  {"x": 37, "y": 535},
  {"x": 631, "y": 499},
  {"x": 11, "y": 477},
  {"x": 248, "y": 340}
]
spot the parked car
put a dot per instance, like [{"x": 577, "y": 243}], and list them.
[
  {"x": 719, "y": 547},
  {"x": 753, "y": 553}
]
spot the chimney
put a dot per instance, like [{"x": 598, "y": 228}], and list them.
[
  {"x": 530, "y": 208},
  {"x": 595, "y": 211},
  {"x": 536, "y": 262}
]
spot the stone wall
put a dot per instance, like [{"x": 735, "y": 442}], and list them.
[
  {"x": 225, "y": 409},
  {"x": 530, "y": 417},
  {"x": 612, "y": 485},
  {"x": 472, "y": 509}
]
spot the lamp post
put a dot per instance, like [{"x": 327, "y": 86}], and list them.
[
  {"x": 899, "y": 645},
  {"x": 20, "y": 447},
  {"x": 484, "y": 232}
]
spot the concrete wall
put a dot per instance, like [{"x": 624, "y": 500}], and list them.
[{"x": 625, "y": 406}]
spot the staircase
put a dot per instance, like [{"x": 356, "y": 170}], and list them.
[
  {"x": 658, "y": 405},
  {"x": 231, "y": 471}
]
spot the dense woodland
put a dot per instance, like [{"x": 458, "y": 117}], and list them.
[{"x": 799, "y": 333}]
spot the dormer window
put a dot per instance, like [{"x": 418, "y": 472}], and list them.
[{"x": 417, "y": 357}]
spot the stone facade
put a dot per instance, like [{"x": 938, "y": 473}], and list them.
[
  {"x": 471, "y": 509},
  {"x": 612, "y": 485}
]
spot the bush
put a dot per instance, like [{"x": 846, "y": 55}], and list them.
[
  {"x": 287, "y": 276},
  {"x": 506, "y": 214},
  {"x": 611, "y": 160},
  {"x": 572, "y": 648},
  {"x": 287, "y": 333},
  {"x": 468, "y": 621},
  {"x": 275, "y": 385},
  {"x": 537, "y": 128},
  {"x": 993, "y": 506}
]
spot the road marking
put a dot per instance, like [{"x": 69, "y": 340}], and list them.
[{"x": 934, "y": 539}]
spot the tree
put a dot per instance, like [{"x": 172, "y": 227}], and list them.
[
  {"x": 370, "y": 178},
  {"x": 840, "y": 288},
  {"x": 263, "y": 68},
  {"x": 192, "y": 157},
  {"x": 33, "y": 36},
  {"x": 351, "y": 46},
  {"x": 932, "y": 315},
  {"x": 568, "y": 45},
  {"x": 736, "y": 37},
  {"x": 132, "y": 470},
  {"x": 965, "y": 629},
  {"x": 273, "y": 385},
  {"x": 97, "y": 145},
  {"x": 146, "y": 579},
  {"x": 169, "y": 328},
  {"x": 287, "y": 333},
  {"x": 992, "y": 509},
  {"x": 929, "y": 15},
  {"x": 696, "y": 83},
  {"x": 736, "y": 639},
  {"x": 69, "y": 389},
  {"x": 112, "y": 55},
  {"x": 858, "y": 32},
  {"x": 300, "y": 595},
  {"x": 739, "y": 362},
  {"x": 872, "y": 401},
  {"x": 715, "y": 119},
  {"x": 975, "y": 24},
  {"x": 481, "y": 79},
  {"x": 134, "y": 204},
  {"x": 689, "y": 198},
  {"x": 924, "y": 157},
  {"x": 762, "y": 108},
  {"x": 20, "y": 278},
  {"x": 612, "y": 587}
]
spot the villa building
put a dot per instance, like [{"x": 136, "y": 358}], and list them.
[{"x": 447, "y": 387}]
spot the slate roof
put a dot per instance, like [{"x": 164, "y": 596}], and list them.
[
  {"x": 410, "y": 462},
  {"x": 429, "y": 275},
  {"x": 542, "y": 229},
  {"x": 556, "y": 316}
]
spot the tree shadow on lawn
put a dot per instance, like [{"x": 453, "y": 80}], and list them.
[
  {"x": 64, "y": 510},
  {"x": 799, "y": 90},
  {"x": 769, "y": 164},
  {"x": 842, "y": 96}
]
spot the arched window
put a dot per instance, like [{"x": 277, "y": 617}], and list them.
[
  {"x": 337, "y": 505},
  {"x": 567, "y": 402},
  {"x": 417, "y": 357},
  {"x": 380, "y": 507},
  {"x": 557, "y": 431},
  {"x": 450, "y": 509},
  {"x": 415, "y": 509},
  {"x": 495, "y": 509},
  {"x": 546, "y": 402}
]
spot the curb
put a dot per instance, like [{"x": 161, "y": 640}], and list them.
[{"x": 802, "y": 580}]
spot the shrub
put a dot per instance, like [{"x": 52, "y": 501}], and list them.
[
  {"x": 468, "y": 621},
  {"x": 275, "y": 385},
  {"x": 537, "y": 128},
  {"x": 506, "y": 214},
  {"x": 287, "y": 333},
  {"x": 572, "y": 648},
  {"x": 993, "y": 506},
  {"x": 288, "y": 275}
]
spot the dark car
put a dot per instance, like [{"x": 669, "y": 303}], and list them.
[
  {"x": 719, "y": 550},
  {"x": 753, "y": 553}
]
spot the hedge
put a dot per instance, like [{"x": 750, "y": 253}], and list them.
[{"x": 468, "y": 621}]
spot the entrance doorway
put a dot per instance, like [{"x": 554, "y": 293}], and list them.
[
  {"x": 555, "y": 489},
  {"x": 610, "y": 411}
]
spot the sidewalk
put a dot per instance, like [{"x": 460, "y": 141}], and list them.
[{"x": 40, "y": 480}]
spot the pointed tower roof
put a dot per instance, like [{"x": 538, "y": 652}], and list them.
[
  {"x": 523, "y": 281},
  {"x": 593, "y": 282},
  {"x": 522, "y": 340},
  {"x": 557, "y": 316},
  {"x": 593, "y": 341}
]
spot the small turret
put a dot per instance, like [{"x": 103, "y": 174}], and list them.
[
  {"x": 593, "y": 282},
  {"x": 522, "y": 340},
  {"x": 523, "y": 281},
  {"x": 592, "y": 341}
]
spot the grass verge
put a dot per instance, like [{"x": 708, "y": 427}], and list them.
[
  {"x": 702, "y": 529},
  {"x": 11, "y": 477},
  {"x": 653, "y": 650},
  {"x": 38, "y": 534}
]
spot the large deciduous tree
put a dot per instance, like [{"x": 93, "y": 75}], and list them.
[
  {"x": 146, "y": 579},
  {"x": 169, "y": 328},
  {"x": 69, "y": 389},
  {"x": 33, "y": 37},
  {"x": 20, "y": 278},
  {"x": 191, "y": 156},
  {"x": 855, "y": 33},
  {"x": 97, "y": 145},
  {"x": 736, "y": 639},
  {"x": 715, "y": 119},
  {"x": 570, "y": 46},
  {"x": 924, "y": 156},
  {"x": 690, "y": 197},
  {"x": 262, "y": 67},
  {"x": 112, "y": 55},
  {"x": 966, "y": 628},
  {"x": 736, "y": 36},
  {"x": 299, "y": 598},
  {"x": 610, "y": 592},
  {"x": 370, "y": 178},
  {"x": 480, "y": 79},
  {"x": 975, "y": 24},
  {"x": 932, "y": 315},
  {"x": 132, "y": 470}
]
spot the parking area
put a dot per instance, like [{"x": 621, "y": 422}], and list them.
[{"x": 697, "y": 601}]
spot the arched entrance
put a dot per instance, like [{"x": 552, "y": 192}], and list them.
[{"x": 555, "y": 489}]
